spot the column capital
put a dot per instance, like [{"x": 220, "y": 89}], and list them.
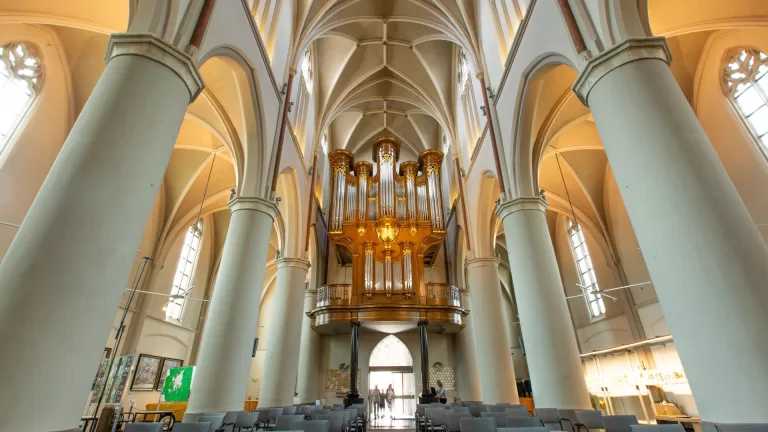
[
  {"x": 482, "y": 262},
  {"x": 253, "y": 203},
  {"x": 506, "y": 208},
  {"x": 293, "y": 262},
  {"x": 619, "y": 55},
  {"x": 154, "y": 48}
]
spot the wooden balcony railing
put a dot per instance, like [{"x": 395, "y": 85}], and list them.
[
  {"x": 331, "y": 295},
  {"x": 443, "y": 295}
]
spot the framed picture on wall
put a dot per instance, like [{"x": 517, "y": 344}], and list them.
[
  {"x": 147, "y": 370},
  {"x": 168, "y": 363}
]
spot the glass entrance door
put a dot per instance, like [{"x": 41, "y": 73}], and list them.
[{"x": 403, "y": 383}]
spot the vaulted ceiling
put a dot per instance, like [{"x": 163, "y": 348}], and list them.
[{"x": 386, "y": 68}]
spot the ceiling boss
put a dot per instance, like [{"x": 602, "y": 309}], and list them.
[{"x": 391, "y": 218}]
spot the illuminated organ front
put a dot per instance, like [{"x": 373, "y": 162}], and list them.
[{"x": 390, "y": 218}]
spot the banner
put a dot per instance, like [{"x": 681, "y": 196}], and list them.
[{"x": 178, "y": 384}]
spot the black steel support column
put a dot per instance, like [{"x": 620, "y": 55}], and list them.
[
  {"x": 353, "y": 397},
  {"x": 424, "y": 360}
]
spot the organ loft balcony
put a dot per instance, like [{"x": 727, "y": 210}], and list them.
[{"x": 387, "y": 225}]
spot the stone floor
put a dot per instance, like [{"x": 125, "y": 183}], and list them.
[{"x": 387, "y": 423}]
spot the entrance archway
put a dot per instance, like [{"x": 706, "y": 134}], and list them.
[{"x": 391, "y": 363}]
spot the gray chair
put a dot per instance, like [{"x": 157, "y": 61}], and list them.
[
  {"x": 500, "y": 407},
  {"x": 215, "y": 420},
  {"x": 484, "y": 424},
  {"x": 338, "y": 405},
  {"x": 144, "y": 427},
  {"x": 289, "y": 410},
  {"x": 674, "y": 427},
  {"x": 453, "y": 420},
  {"x": 523, "y": 429},
  {"x": 246, "y": 421},
  {"x": 734, "y": 427},
  {"x": 475, "y": 410},
  {"x": 318, "y": 412},
  {"x": 589, "y": 420},
  {"x": 619, "y": 423},
  {"x": 550, "y": 417},
  {"x": 520, "y": 422},
  {"x": 438, "y": 420},
  {"x": 285, "y": 422},
  {"x": 500, "y": 418},
  {"x": 517, "y": 411},
  {"x": 192, "y": 427},
  {"x": 70, "y": 430},
  {"x": 567, "y": 419},
  {"x": 311, "y": 425},
  {"x": 229, "y": 418},
  {"x": 460, "y": 409},
  {"x": 335, "y": 421}
]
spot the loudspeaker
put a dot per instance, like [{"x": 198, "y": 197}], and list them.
[{"x": 255, "y": 345}]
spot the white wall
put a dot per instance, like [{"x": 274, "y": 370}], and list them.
[{"x": 336, "y": 350}]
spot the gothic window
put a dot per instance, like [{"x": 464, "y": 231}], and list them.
[
  {"x": 306, "y": 69},
  {"x": 183, "y": 277},
  {"x": 20, "y": 72},
  {"x": 745, "y": 81},
  {"x": 587, "y": 277},
  {"x": 468, "y": 103}
]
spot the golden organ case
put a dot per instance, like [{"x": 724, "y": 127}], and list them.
[{"x": 387, "y": 222}]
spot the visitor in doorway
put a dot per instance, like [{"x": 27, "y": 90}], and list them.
[
  {"x": 442, "y": 392},
  {"x": 383, "y": 398},
  {"x": 391, "y": 401},
  {"x": 374, "y": 399}
]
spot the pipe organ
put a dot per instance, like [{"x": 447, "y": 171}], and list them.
[{"x": 388, "y": 221}]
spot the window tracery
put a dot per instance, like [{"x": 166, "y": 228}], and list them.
[
  {"x": 745, "y": 82},
  {"x": 20, "y": 79}
]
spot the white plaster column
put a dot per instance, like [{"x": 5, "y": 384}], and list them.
[
  {"x": 497, "y": 374},
  {"x": 706, "y": 258},
  {"x": 66, "y": 270},
  {"x": 470, "y": 388},
  {"x": 224, "y": 365},
  {"x": 556, "y": 374},
  {"x": 281, "y": 362},
  {"x": 309, "y": 354}
]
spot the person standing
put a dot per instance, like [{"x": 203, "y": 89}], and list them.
[
  {"x": 374, "y": 400},
  {"x": 391, "y": 401},
  {"x": 442, "y": 392}
]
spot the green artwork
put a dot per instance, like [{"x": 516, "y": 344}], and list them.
[{"x": 178, "y": 384}]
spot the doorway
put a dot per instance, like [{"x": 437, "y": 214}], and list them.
[{"x": 391, "y": 364}]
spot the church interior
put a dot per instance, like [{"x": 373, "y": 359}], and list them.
[{"x": 424, "y": 215}]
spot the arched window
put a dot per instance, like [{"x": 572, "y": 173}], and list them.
[
  {"x": 587, "y": 277},
  {"x": 468, "y": 103},
  {"x": 745, "y": 81},
  {"x": 184, "y": 270},
  {"x": 20, "y": 72}
]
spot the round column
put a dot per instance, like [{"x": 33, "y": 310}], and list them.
[
  {"x": 469, "y": 379},
  {"x": 424, "y": 348},
  {"x": 309, "y": 354},
  {"x": 497, "y": 374},
  {"x": 556, "y": 374},
  {"x": 224, "y": 361},
  {"x": 66, "y": 270},
  {"x": 706, "y": 258},
  {"x": 281, "y": 362}
]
